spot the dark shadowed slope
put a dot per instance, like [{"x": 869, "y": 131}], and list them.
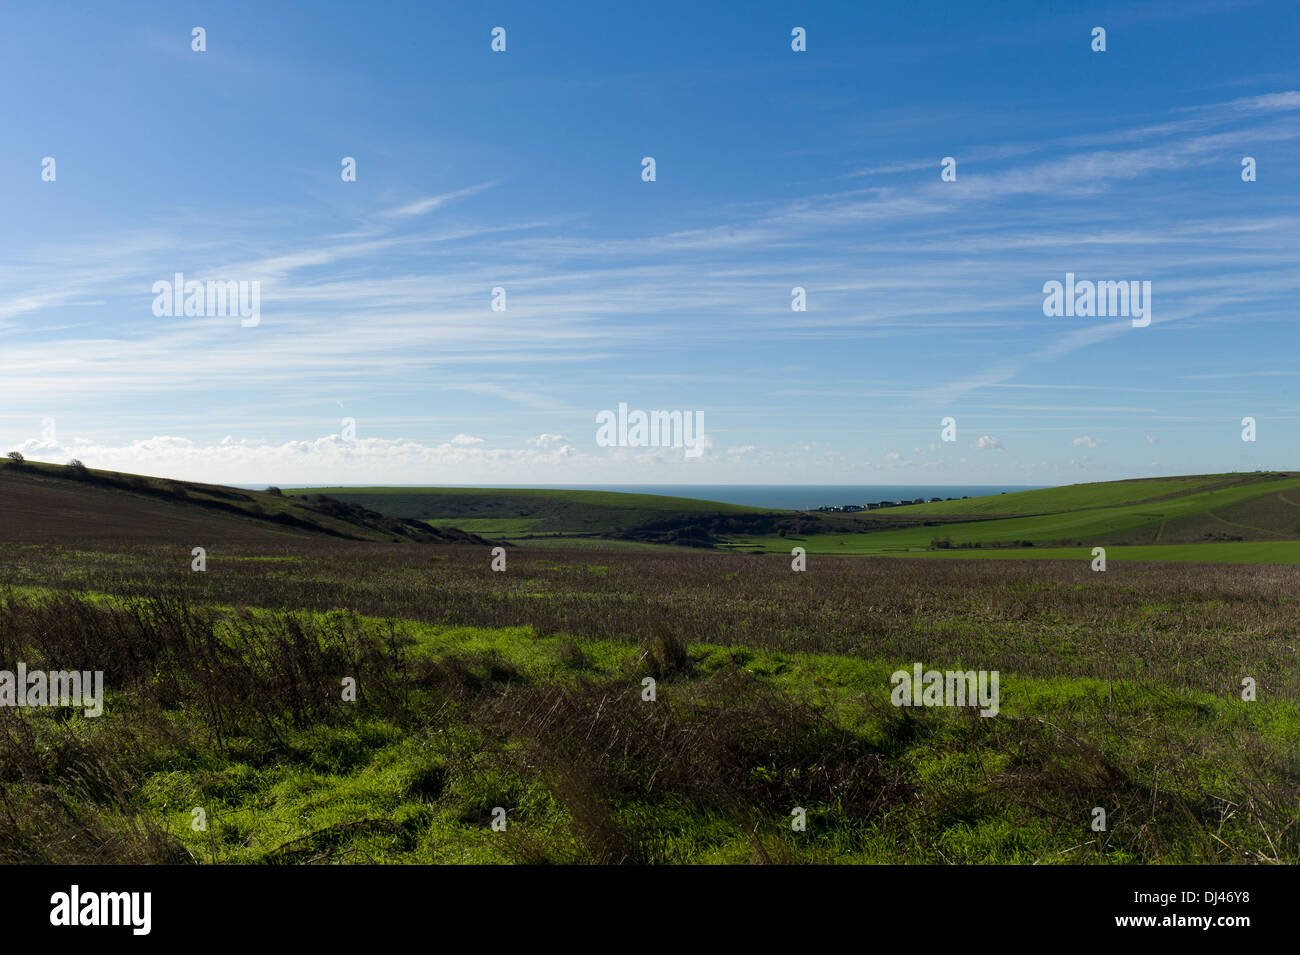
[{"x": 44, "y": 502}]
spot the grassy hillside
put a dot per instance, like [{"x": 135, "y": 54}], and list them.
[
  {"x": 522, "y": 691},
  {"x": 1225, "y": 517},
  {"x": 1206, "y": 517},
  {"x": 49, "y": 502},
  {"x": 1068, "y": 498},
  {"x": 521, "y": 513},
  {"x": 1196, "y": 517},
  {"x": 1253, "y": 506}
]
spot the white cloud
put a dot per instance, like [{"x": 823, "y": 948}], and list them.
[
  {"x": 988, "y": 442},
  {"x": 1085, "y": 442},
  {"x": 352, "y": 305},
  {"x": 331, "y": 459},
  {"x": 429, "y": 203}
]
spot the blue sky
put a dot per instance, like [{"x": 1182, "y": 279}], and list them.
[{"x": 774, "y": 169}]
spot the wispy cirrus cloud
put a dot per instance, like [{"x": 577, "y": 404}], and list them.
[
  {"x": 924, "y": 297},
  {"x": 428, "y": 204}
]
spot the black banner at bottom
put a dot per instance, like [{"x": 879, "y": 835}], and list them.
[{"x": 333, "y": 904}]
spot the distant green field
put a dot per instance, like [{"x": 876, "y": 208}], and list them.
[
  {"x": 488, "y": 526},
  {"x": 1253, "y": 509},
  {"x": 1234, "y": 518},
  {"x": 1069, "y": 498},
  {"x": 516, "y": 512}
]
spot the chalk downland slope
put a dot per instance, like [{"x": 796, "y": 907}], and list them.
[
  {"x": 1252, "y": 517},
  {"x": 1173, "y": 511},
  {"x": 48, "y": 503},
  {"x": 1263, "y": 506},
  {"x": 538, "y": 514}
]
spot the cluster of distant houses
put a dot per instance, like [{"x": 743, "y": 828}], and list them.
[{"x": 853, "y": 508}]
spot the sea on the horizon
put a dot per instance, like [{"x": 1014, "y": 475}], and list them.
[
  {"x": 804, "y": 496},
  {"x": 782, "y": 496}
]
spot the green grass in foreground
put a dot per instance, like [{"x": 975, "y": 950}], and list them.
[
  {"x": 369, "y": 771},
  {"x": 453, "y": 722}
]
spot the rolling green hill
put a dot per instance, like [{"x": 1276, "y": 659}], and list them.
[
  {"x": 522, "y": 513},
  {"x": 1204, "y": 517},
  {"x": 1219, "y": 517},
  {"x": 1229, "y": 517},
  {"x": 1068, "y": 498},
  {"x": 52, "y": 502}
]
